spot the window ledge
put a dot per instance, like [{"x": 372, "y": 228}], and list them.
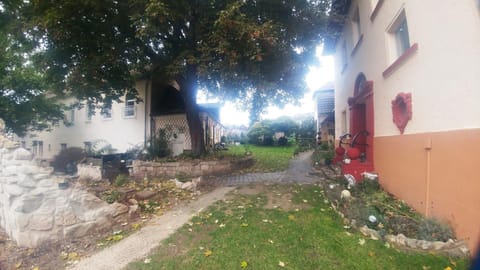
[
  {"x": 357, "y": 45},
  {"x": 376, "y": 9},
  {"x": 400, "y": 60}
]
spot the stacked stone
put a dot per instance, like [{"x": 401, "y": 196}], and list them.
[{"x": 33, "y": 209}]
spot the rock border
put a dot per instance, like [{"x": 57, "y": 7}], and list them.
[{"x": 453, "y": 248}]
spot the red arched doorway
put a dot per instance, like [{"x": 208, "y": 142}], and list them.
[{"x": 361, "y": 126}]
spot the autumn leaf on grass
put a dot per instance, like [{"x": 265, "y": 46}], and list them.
[
  {"x": 244, "y": 264},
  {"x": 281, "y": 264},
  {"x": 448, "y": 268},
  {"x": 244, "y": 225},
  {"x": 361, "y": 241},
  {"x": 207, "y": 253},
  {"x": 291, "y": 217}
]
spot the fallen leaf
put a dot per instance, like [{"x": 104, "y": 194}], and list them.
[
  {"x": 281, "y": 264},
  {"x": 147, "y": 261},
  {"x": 291, "y": 217},
  {"x": 270, "y": 241},
  {"x": 72, "y": 256},
  {"x": 135, "y": 226},
  {"x": 221, "y": 225},
  {"x": 361, "y": 241},
  {"x": 425, "y": 267},
  {"x": 36, "y": 268},
  {"x": 18, "y": 265},
  {"x": 244, "y": 225},
  {"x": 208, "y": 253},
  {"x": 244, "y": 264},
  {"x": 305, "y": 201},
  {"x": 371, "y": 254},
  {"x": 447, "y": 268}
]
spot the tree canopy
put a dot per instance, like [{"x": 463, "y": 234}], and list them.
[
  {"x": 24, "y": 104},
  {"x": 254, "y": 51}
]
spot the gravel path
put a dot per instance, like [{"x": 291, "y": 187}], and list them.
[{"x": 138, "y": 245}]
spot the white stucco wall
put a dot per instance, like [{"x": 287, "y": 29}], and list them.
[
  {"x": 119, "y": 131},
  {"x": 443, "y": 75}
]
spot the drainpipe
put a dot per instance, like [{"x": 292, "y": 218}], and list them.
[
  {"x": 147, "y": 108},
  {"x": 428, "y": 148}
]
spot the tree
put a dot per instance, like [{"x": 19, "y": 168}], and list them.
[
  {"x": 256, "y": 51},
  {"x": 24, "y": 104}
]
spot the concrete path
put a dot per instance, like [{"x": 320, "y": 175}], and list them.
[{"x": 139, "y": 244}]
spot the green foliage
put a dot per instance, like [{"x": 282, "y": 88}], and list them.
[
  {"x": 158, "y": 147},
  {"x": 260, "y": 134},
  {"x": 25, "y": 105},
  {"x": 366, "y": 187},
  {"x": 111, "y": 196},
  {"x": 121, "y": 180},
  {"x": 432, "y": 229},
  {"x": 67, "y": 159}
]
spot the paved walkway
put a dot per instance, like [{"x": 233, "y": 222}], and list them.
[
  {"x": 138, "y": 245},
  {"x": 299, "y": 171}
]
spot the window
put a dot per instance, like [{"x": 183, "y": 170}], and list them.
[
  {"x": 375, "y": 7},
  {"x": 129, "y": 109},
  {"x": 88, "y": 147},
  {"x": 40, "y": 148},
  {"x": 399, "y": 35},
  {"x": 356, "y": 29},
  {"x": 107, "y": 111},
  {"x": 89, "y": 110},
  {"x": 63, "y": 146},
  {"x": 34, "y": 147}
]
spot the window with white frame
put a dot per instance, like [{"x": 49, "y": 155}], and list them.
[
  {"x": 129, "y": 109},
  {"x": 356, "y": 28},
  {"x": 400, "y": 35},
  {"x": 89, "y": 110},
  {"x": 107, "y": 111}
]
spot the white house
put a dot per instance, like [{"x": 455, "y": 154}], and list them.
[{"x": 126, "y": 125}]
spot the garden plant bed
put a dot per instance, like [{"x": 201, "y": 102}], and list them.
[
  {"x": 379, "y": 215},
  {"x": 163, "y": 195}
]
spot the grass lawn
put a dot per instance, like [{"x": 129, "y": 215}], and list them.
[
  {"x": 267, "y": 158},
  {"x": 279, "y": 227}
]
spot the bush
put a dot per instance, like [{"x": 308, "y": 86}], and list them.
[
  {"x": 121, "y": 180},
  {"x": 66, "y": 161},
  {"x": 282, "y": 141},
  {"x": 158, "y": 147},
  {"x": 431, "y": 229},
  {"x": 268, "y": 141}
]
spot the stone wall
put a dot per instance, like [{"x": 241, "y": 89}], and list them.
[
  {"x": 142, "y": 169},
  {"x": 37, "y": 205}
]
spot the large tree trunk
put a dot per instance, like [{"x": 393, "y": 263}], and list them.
[{"x": 189, "y": 95}]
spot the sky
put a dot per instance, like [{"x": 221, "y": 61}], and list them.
[{"x": 317, "y": 77}]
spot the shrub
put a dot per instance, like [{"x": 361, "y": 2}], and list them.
[
  {"x": 158, "y": 147},
  {"x": 268, "y": 141},
  {"x": 112, "y": 196},
  {"x": 432, "y": 229},
  {"x": 66, "y": 161},
  {"x": 282, "y": 141},
  {"x": 121, "y": 180}
]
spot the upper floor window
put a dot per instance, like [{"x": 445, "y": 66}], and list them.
[
  {"x": 400, "y": 36},
  {"x": 129, "y": 109},
  {"x": 356, "y": 28},
  {"x": 107, "y": 111}
]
